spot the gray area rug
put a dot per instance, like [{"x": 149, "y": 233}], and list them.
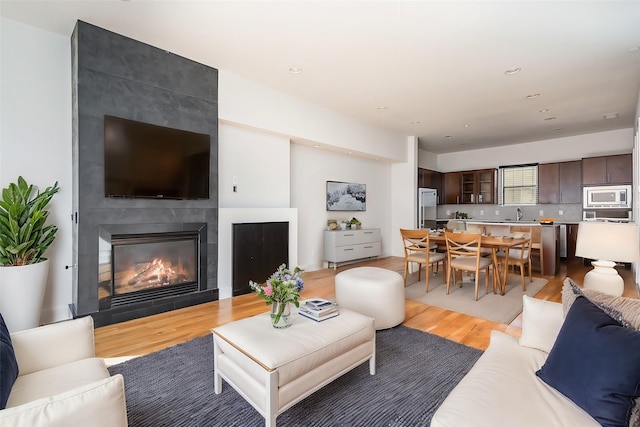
[
  {"x": 494, "y": 307},
  {"x": 415, "y": 372}
]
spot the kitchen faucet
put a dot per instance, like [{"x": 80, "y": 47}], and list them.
[{"x": 518, "y": 214}]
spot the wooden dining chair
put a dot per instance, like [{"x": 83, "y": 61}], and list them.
[
  {"x": 536, "y": 246},
  {"x": 536, "y": 242},
  {"x": 519, "y": 256},
  {"x": 463, "y": 254},
  {"x": 416, "y": 249}
]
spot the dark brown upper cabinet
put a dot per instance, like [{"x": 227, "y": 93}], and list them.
[{"x": 607, "y": 170}]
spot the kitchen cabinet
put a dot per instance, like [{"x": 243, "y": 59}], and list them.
[
  {"x": 572, "y": 237},
  {"x": 607, "y": 170},
  {"x": 551, "y": 249},
  {"x": 431, "y": 179},
  {"x": 452, "y": 188},
  {"x": 560, "y": 182},
  {"x": 478, "y": 186},
  {"x": 548, "y": 183},
  {"x": 349, "y": 245}
]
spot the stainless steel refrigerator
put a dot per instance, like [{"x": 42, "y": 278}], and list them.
[{"x": 427, "y": 207}]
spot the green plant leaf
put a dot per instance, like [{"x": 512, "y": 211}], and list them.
[{"x": 24, "y": 235}]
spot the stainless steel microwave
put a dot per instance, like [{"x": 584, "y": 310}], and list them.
[{"x": 607, "y": 197}]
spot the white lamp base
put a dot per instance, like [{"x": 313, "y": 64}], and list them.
[{"x": 604, "y": 278}]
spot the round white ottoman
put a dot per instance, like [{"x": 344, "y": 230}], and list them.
[{"x": 374, "y": 292}]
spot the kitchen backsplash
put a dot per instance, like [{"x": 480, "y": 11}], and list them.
[{"x": 560, "y": 213}]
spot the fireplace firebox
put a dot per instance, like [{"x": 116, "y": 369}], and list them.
[{"x": 141, "y": 267}]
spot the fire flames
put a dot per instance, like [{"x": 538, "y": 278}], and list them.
[
  {"x": 149, "y": 275},
  {"x": 153, "y": 272}
]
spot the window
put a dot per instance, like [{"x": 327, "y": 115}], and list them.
[{"x": 518, "y": 185}]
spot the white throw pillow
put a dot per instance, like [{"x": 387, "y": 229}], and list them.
[{"x": 541, "y": 322}]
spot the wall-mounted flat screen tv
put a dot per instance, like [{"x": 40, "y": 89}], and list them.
[{"x": 142, "y": 160}]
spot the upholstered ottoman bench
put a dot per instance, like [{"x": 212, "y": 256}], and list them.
[
  {"x": 273, "y": 369},
  {"x": 375, "y": 292}
]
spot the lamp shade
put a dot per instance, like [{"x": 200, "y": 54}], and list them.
[{"x": 608, "y": 241}]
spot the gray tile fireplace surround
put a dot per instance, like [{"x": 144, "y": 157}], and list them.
[{"x": 118, "y": 76}]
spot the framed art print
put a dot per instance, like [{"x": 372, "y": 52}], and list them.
[{"x": 345, "y": 196}]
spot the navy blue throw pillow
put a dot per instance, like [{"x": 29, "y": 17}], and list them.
[
  {"x": 595, "y": 362},
  {"x": 8, "y": 364}
]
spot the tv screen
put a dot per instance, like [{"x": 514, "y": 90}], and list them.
[{"x": 142, "y": 160}]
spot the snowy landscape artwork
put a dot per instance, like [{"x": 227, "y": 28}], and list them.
[{"x": 344, "y": 196}]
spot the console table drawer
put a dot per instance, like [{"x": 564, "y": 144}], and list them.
[
  {"x": 349, "y": 245},
  {"x": 354, "y": 237},
  {"x": 348, "y": 253}
]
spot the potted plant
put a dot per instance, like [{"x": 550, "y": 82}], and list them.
[
  {"x": 24, "y": 238},
  {"x": 355, "y": 223}
]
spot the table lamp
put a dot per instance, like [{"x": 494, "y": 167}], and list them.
[{"x": 607, "y": 243}]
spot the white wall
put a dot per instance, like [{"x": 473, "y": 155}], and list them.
[
  {"x": 246, "y": 103},
  {"x": 311, "y": 168},
  {"x": 35, "y": 136},
  {"x": 427, "y": 160},
  {"x": 259, "y": 161},
  {"x": 551, "y": 150},
  {"x": 404, "y": 184}
]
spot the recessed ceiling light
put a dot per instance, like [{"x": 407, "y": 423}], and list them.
[
  {"x": 349, "y": 153},
  {"x": 610, "y": 116},
  {"x": 549, "y": 118},
  {"x": 635, "y": 49},
  {"x": 533, "y": 95},
  {"x": 295, "y": 70},
  {"x": 512, "y": 71},
  {"x": 381, "y": 109},
  {"x": 316, "y": 146},
  {"x": 466, "y": 125},
  {"x": 417, "y": 122},
  {"x": 544, "y": 110}
]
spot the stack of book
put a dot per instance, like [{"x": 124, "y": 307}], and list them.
[{"x": 318, "y": 309}]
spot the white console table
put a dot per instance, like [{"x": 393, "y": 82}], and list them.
[{"x": 349, "y": 245}]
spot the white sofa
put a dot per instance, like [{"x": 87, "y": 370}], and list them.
[
  {"x": 61, "y": 382},
  {"x": 502, "y": 388}
]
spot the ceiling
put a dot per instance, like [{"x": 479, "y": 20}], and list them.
[{"x": 431, "y": 69}]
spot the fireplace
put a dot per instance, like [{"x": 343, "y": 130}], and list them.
[
  {"x": 152, "y": 266},
  {"x": 142, "y": 265}
]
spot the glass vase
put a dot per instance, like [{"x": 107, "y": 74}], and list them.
[{"x": 280, "y": 314}]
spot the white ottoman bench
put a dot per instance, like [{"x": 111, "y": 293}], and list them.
[
  {"x": 375, "y": 292},
  {"x": 273, "y": 369}
]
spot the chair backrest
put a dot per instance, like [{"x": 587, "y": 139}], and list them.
[
  {"x": 523, "y": 251},
  {"x": 414, "y": 241},
  {"x": 533, "y": 231},
  {"x": 463, "y": 244}
]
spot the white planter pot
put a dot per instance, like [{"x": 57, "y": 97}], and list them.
[{"x": 22, "y": 294}]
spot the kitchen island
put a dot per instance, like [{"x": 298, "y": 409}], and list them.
[{"x": 549, "y": 238}]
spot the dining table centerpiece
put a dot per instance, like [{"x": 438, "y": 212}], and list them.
[{"x": 280, "y": 290}]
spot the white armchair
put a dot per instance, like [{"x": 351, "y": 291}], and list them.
[{"x": 61, "y": 382}]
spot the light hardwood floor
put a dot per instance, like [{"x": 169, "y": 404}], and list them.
[{"x": 149, "y": 334}]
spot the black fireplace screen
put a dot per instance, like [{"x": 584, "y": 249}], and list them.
[{"x": 150, "y": 262}]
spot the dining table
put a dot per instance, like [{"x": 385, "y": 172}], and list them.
[{"x": 495, "y": 243}]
